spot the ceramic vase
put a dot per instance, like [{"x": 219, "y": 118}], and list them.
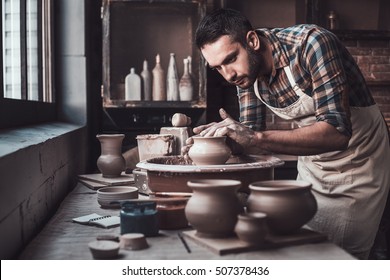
[
  {"x": 133, "y": 86},
  {"x": 172, "y": 80},
  {"x": 213, "y": 208},
  {"x": 111, "y": 162},
  {"x": 209, "y": 150},
  {"x": 186, "y": 87},
  {"x": 252, "y": 227},
  {"x": 289, "y": 204},
  {"x": 146, "y": 82},
  {"x": 158, "y": 89}
]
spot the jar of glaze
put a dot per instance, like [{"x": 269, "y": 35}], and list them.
[
  {"x": 139, "y": 217},
  {"x": 213, "y": 207},
  {"x": 209, "y": 150},
  {"x": 289, "y": 204}
]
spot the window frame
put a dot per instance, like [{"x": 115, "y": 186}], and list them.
[{"x": 22, "y": 112}]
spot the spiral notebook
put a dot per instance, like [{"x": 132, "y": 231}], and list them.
[{"x": 98, "y": 220}]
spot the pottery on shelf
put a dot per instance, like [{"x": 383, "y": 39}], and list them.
[
  {"x": 158, "y": 85},
  {"x": 252, "y": 227},
  {"x": 186, "y": 84},
  {"x": 146, "y": 82},
  {"x": 133, "y": 86},
  {"x": 172, "y": 80},
  {"x": 213, "y": 208},
  {"x": 111, "y": 162},
  {"x": 209, "y": 150},
  {"x": 289, "y": 204}
]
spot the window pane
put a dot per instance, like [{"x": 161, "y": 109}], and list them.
[
  {"x": 11, "y": 48},
  {"x": 32, "y": 49}
]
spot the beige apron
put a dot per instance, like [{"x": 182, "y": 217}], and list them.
[{"x": 350, "y": 186}]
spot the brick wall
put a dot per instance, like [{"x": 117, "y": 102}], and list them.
[{"x": 373, "y": 57}]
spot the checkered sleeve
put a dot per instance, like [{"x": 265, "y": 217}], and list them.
[{"x": 323, "y": 59}]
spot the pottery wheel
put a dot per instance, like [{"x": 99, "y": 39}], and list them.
[{"x": 235, "y": 163}]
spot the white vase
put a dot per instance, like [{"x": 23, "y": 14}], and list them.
[
  {"x": 186, "y": 87},
  {"x": 172, "y": 80},
  {"x": 158, "y": 90},
  {"x": 133, "y": 86}
]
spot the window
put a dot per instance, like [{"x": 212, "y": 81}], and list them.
[{"x": 26, "y": 62}]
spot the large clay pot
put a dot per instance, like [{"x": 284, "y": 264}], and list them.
[
  {"x": 213, "y": 208},
  {"x": 289, "y": 204},
  {"x": 111, "y": 162},
  {"x": 209, "y": 150}
]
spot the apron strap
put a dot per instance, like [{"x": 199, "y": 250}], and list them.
[{"x": 290, "y": 77}]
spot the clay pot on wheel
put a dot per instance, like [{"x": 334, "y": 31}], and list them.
[
  {"x": 209, "y": 150},
  {"x": 213, "y": 208},
  {"x": 111, "y": 162},
  {"x": 289, "y": 204}
]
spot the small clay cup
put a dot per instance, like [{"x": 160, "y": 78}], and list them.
[{"x": 252, "y": 227}]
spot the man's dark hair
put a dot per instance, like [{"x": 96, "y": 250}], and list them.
[{"x": 222, "y": 22}]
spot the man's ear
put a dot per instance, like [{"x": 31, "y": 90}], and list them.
[{"x": 253, "y": 40}]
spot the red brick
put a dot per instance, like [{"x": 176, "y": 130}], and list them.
[
  {"x": 385, "y": 76},
  {"x": 360, "y": 51},
  {"x": 373, "y": 43},
  {"x": 349, "y": 43},
  {"x": 380, "y": 68},
  {"x": 380, "y": 51},
  {"x": 373, "y": 59}
]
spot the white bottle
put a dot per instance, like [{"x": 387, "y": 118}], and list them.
[
  {"x": 172, "y": 80},
  {"x": 186, "y": 87},
  {"x": 133, "y": 86},
  {"x": 158, "y": 91},
  {"x": 147, "y": 82}
]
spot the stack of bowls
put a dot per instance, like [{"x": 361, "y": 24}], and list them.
[{"x": 107, "y": 195}]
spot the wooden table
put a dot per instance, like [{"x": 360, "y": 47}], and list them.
[{"x": 63, "y": 239}]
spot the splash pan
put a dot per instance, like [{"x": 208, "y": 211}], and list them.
[{"x": 171, "y": 173}]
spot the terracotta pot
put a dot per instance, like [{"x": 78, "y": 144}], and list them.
[
  {"x": 213, "y": 208},
  {"x": 252, "y": 227},
  {"x": 209, "y": 150},
  {"x": 111, "y": 162},
  {"x": 289, "y": 204}
]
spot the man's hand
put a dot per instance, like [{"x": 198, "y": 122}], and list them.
[{"x": 239, "y": 138}]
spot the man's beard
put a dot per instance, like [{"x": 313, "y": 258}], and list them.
[{"x": 254, "y": 66}]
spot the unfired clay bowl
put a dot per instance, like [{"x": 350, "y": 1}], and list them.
[{"x": 171, "y": 173}]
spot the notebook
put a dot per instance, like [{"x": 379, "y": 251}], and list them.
[{"x": 98, "y": 220}]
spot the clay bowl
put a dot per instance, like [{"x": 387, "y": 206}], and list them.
[
  {"x": 289, "y": 204},
  {"x": 171, "y": 173},
  {"x": 107, "y": 195}
]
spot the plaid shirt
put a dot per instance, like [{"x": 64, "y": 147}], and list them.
[{"x": 322, "y": 67}]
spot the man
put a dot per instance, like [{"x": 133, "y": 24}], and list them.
[{"x": 305, "y": 74}]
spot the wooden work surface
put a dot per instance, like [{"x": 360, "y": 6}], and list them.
[{"x": 63, "y": 239}]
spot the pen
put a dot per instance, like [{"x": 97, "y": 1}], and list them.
[{"x": 184, "y": 242}]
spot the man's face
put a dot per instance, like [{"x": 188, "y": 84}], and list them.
[{"x": 238, "y": 65}]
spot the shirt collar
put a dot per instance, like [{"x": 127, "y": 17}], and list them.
[{"x": 280, "y": 57}]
